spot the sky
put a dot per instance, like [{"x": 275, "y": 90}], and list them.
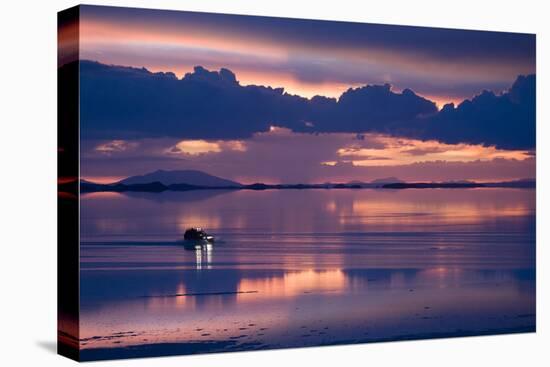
[
  {"x": 309, "y": 57},
  {"x": 282, "y": 156},
  {"x": 229, "y": 119}
]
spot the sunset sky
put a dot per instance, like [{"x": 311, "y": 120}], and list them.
[{"x": 306, "y": 58}]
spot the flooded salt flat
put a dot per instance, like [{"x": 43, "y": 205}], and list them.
[{"x": 303, "y": 268}]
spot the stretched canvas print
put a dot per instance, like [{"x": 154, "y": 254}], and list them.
[{"x": 236, "y": 183}]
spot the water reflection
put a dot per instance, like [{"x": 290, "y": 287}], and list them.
[
  {"x": 291, "y": 284},
  {"x": 280, "y": 307},
  {"x": 133, "y": 216},
  {"x": 310, "y": 267},
  {"x": 203, "y": 255}
]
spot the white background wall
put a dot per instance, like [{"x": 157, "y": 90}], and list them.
[{"x": 28, "y": 182}]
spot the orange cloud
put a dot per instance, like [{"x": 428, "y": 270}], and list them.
[
  {"x": 114, "y": 146},
  {"x": 195, "y": 147},
  {"x": 200, "y": 147},
  {"x": 398, "y": 151}
]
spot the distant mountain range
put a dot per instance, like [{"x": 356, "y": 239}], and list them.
[
  {"x": 524, "y": 183},
  {"x": 387, "y": 180},
  {"x": 189, "y": 177},
  {"x": 378, "y": 183},
  {"x": 186, "y": 180}
]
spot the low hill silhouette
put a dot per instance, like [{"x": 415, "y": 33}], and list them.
[
  {"x": 186, "y": 180},
  {"x": 188, "y": 177}
]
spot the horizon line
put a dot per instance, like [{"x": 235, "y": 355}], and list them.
[{"x": 351, "y": 182}]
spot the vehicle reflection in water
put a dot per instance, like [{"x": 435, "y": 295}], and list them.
[{"x": 203, "y": 253}]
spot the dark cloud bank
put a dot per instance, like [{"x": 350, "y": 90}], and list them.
[{"x": 124, "y": 103}]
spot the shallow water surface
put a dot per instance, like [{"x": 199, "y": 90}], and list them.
[{"x": 302, "y": 268}]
